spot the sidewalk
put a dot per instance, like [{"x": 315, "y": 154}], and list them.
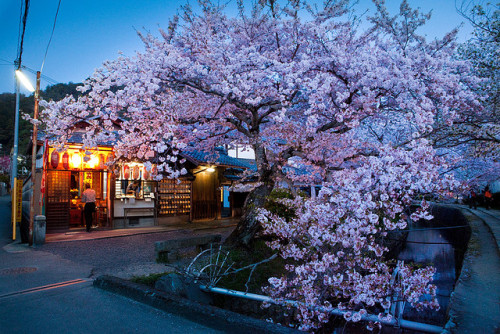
[
  {"x": 81, "y": 234},
  {"x": 78, "y": 235},
  {"x": 474, "y": 306},
  {"x": 492, "y": 219}
]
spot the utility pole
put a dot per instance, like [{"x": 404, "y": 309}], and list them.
[
  {"x": 33, "y": 158},
  {"x": 13, "y": 175},
  {"x": 16, "y": 134}
]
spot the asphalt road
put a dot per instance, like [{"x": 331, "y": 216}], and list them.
[{"x": 49, "y": 289}]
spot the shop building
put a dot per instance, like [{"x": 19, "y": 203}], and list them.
[{"x": 127, "y": 194}]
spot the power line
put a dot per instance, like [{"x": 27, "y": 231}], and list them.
[
  {"x": 20, "y": 49},
  {"x": 51, "y": 34},
  {"x": 47, "y": 78},
  {"x": 428, "y": 229},
  {"x": 19, "y": 27}
]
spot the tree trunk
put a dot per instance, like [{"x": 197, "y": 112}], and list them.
[{"x": 248, "y": 225}]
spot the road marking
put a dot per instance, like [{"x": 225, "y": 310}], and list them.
[{"x": 46, "y": 287}]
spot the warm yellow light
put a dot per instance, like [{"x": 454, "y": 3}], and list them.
[
  {"x": 94, "y": 161},
  {"x": 26, "y": 83},
  {"x": 210, "y": 169},
  {"x": 76, "y": 160}
]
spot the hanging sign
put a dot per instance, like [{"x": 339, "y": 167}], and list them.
[
  {"x": 44, "y": 175},
  {"x": 19, "y": 199}
]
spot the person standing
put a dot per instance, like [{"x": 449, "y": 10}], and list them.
[
  {"x": 88, "y": 197},
  {"x": 488, "y": 198},
  {"x": 473, "y": 199}
]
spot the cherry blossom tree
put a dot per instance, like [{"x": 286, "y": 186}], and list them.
[
  {"x": 475, "y": 137},
  {"x": 301, "y": 85}
]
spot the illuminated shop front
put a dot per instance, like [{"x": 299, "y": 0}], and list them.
[
  {"x": 68, "y": 172},
  {"x": 134, "y": 195}
]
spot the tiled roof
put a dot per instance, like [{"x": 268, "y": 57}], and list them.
[
  {"x": 218, "y": 158},
  {"x": 76, "y": 138}
]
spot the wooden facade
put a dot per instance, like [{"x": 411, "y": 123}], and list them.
[{"x": 206, "y": 197}]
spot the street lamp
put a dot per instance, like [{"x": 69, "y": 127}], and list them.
[
  {"x": 20, "y": 77},
  {"x": 24, "y": 80}
]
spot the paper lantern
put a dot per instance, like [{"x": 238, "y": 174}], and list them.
[
  {"x": 54, "y": 159},
  {"x": 146, "y": 174},
  {"x": 126, "y": 172},
  {"x": 135, "y": 172},
  {"x": 65, "y": 160}
]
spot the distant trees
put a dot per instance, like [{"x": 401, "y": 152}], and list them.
[
  {"x": 474, "y": 140},
  {"x": 27, "y": 103}
]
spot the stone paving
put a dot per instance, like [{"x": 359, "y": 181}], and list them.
[
  {"x": 123, "y": 256},
  {"x": 124, "y": 253}
]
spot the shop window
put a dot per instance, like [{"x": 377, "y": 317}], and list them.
[
  {"x": 75, "y": 185},
  {"x": 138, "y": 189}
]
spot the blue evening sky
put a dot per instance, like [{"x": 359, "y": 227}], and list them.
[{"x": 89, "y": 32}]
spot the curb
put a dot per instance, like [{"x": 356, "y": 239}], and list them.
[
  {"x": 205, "y": 314},
  {"x": 490, "y": 228},
  {"x": 453, "y": 313}
]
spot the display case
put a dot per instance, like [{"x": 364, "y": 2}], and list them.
[{"x": 174, "y": 197}]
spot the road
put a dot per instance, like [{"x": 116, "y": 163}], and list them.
[{"x": 49, "y": 289}]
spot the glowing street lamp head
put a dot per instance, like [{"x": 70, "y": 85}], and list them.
[{"x": 26, "y": 83}]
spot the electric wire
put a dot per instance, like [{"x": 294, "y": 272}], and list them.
[
  {"x": 51, "y": 34},
  {"x": 46, "y": 78},
  {"x": 422, "y": 242},
  {"x": 429, "y": 228},
  {"x": 19, "y": 27},
  {"x": 20, "y": 49}
]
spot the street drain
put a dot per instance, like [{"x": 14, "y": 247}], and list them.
[{"x": 17, "y": 271}]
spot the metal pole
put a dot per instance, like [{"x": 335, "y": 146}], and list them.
[
  {"x": 16, "y": 137},
  {"x": 367, "y": 317},
  {"x": 13, "y": 175},
  {"x": 33, "y": 158}
]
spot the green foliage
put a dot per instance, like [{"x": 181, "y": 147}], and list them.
[
  {"x": 26, "y": 105},
  {"x": 274, "y": 206},
  {"x": 59, "y": 91},
  {"x": 7, "y": 115},
  {"x": 242, "y": 257}
]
